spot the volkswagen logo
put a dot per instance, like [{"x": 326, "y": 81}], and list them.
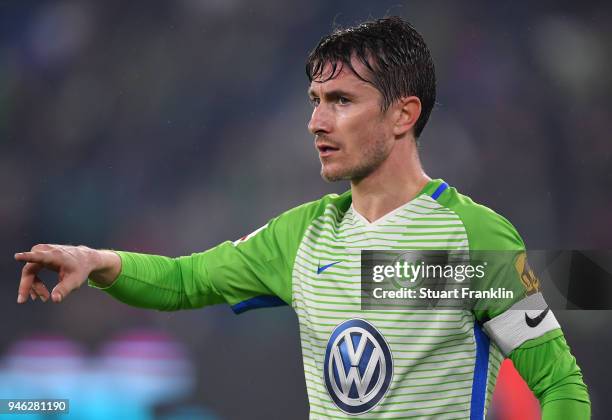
[{"x": 358, "y": 366}]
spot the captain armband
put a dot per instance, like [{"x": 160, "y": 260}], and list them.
[{"x": 525, "y": 320}]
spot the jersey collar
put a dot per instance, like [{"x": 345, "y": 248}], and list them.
[{"x": 433, "y": 188}]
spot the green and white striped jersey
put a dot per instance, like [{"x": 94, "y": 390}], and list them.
[
  {"x": 437, "y": 364},
  {"x": 309, "y": 257}
]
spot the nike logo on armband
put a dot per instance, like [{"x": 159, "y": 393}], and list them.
[
  {"x": 325, "y": 267},
  {"x": 534, "y": 322}
]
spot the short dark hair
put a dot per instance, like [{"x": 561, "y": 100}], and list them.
[{"x": 395, "y": 54}]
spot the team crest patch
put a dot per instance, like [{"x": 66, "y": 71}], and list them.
[
  {"x": 358, "y": 366},
  {"x": 528, "y": 278}
]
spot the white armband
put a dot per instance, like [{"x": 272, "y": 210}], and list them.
[{"x": 526, "y": 319}]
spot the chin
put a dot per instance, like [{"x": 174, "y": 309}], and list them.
[{"x": 330, "y": 175}]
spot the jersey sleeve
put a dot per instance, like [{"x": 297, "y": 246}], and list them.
[
  {"x": 254, "y": 271},
  {"x": 553, "y": 375},
  {"x": 495, "y": 242}
]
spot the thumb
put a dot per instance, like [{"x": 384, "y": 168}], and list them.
[
  {"x": 57, "y": 295},
  {"x": 63, "y": 289}
]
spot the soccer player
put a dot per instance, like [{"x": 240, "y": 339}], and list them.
[{"x": 372, "y": 88}]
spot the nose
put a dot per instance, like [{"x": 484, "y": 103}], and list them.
[{"x": 320, "y": 120}]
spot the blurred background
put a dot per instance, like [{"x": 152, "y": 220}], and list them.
[{"x": 168, "y": 127}]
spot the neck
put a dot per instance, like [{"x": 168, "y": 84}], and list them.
[{"x": 394, "y": 183}]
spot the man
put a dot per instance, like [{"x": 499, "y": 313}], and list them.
[{"x": 372, "y": 87}]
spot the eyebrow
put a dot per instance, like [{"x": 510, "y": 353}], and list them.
[{"x": 331, "y": 94}]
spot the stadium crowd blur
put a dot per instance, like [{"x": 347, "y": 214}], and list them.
[{"x": 169, "y": 127}]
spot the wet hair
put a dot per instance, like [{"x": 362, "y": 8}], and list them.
[{"x": 395, "y": 54}]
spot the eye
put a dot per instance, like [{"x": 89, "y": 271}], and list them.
[
  {"x": 314, "y": 101},
  {"x": 343, "y": 100}
]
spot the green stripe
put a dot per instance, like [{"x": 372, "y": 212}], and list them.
[
  {"x": 461, "y": 333},
  {"x": 373, "y": 311},
  {"x": 329, "y": 241},
  {"x": 400, "y": 328},
  {"x": 326, "y": 256},
  {"x": 382, "y": 247},
  {"x": 397, "y": 350},
  {"x": 428, "y": 213},
  {"x": 496, "y": 357},
  {"x": 394, "y": 320},
  {"x": 436, "y": 354},
  {"x": 470, "y": 366},
  {"x": 435, "y": 384},
  {"x": 415, "y": 408},
  {"x": 320, "y": 389},
  {"x": 323, "y": 347},
  {"x": 382, "y": 412},
  {"x": 378, "y": 305},
  {"x": 472, "y": 358},
  {"x": 401, "y": 347},
  {"x": 412, "y": 229},
  {"x": 392, "y": 394},
  {"x": 389, "y": 403}
]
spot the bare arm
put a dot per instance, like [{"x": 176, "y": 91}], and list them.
[{"x": 74, "y": 264}]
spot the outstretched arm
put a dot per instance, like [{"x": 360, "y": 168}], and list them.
[
  {"x": 142, "y": 280},
  {"x": 252, "y": 272},
  {"x": 245, "y": 274}
]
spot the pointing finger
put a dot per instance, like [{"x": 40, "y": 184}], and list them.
[{"x": 42, "y": 257}]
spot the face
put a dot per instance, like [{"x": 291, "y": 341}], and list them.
[{"x": 352, "y": 135}]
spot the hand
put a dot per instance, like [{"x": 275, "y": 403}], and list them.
[{"x": 72, "y": 263}]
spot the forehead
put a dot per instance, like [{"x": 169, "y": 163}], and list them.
[{"x": 343, "y": 78}]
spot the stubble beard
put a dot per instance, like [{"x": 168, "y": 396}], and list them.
[{"x": 372, "y": 158}]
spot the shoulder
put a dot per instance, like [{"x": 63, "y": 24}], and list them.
[
  {"x": 307, "y": 212},
  {"x": 291, "y": 224},
  {"x": 486, "y": 229}
]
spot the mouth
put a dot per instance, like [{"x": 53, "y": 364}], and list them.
[{"x": 326, "y": 150}]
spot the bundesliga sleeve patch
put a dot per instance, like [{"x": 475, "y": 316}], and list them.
[
  {"x": 250, "y": 235},
  {"x": 525, "y": 320}
]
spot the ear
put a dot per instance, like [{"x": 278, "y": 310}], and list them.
[{"x": 407, "y": 114}]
